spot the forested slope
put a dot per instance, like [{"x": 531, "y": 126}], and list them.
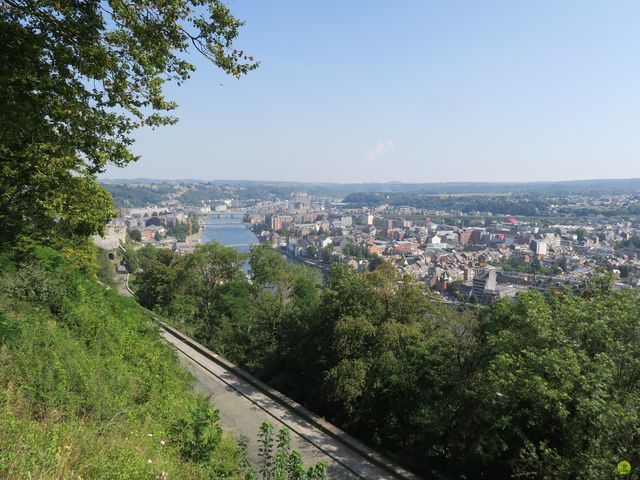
[
  {"x": 87, "y": 388},
  {"x": 547, "y": 386}
]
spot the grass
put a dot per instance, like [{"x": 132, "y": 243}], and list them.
[{"x": 87, "y": 388}]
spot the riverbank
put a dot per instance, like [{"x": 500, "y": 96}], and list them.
[{"x": 302, "y": 260}]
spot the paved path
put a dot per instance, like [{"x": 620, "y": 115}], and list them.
[{"x": 243, "y": 408}]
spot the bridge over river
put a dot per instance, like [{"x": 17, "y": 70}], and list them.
[
  {"x": 228, "y": 230},
  {"x": 215, "y": 224}
]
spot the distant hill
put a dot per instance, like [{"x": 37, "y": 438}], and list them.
[
  {"x": 566, "y": 187},
  {"x": 144, "y": 191}
]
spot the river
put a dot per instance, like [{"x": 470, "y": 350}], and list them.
[{"x": 229, "y": 230}]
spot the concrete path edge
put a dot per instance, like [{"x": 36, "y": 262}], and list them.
[{"x": 331, "y": 430}]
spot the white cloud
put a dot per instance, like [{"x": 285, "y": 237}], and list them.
[{"x": 380, "y": 149}]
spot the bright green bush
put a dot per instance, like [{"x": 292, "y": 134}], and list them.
[{"x": 199, "y": 434}]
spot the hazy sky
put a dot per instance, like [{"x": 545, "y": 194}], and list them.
[{"x": 421, "y": 91}]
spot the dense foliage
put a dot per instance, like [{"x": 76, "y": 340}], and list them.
[
  {"x": 539, "y": 202},
  {"x": 196, "y": 192},
  {"x": 534, "y": 266},
  {"x": 500, "y": 204},
  {"x": 536, "y": 388},
  {"x": 633, "y": 242},
  {"x": 199, "y": 191},
  {"x": 88, "y": 389},
  {"x": 76, "y": 79},
  {"x": 278, "y": 461},
  {"x": 181, "y": 230},
  {"x": 139, "y": 196}
]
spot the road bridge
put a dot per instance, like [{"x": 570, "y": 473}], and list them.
[
  {"x": 211, "y": 224},
  {"x": 227, "y": 213}
]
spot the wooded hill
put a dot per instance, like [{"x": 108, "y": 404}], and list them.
[{"x": 546, "y": 386}]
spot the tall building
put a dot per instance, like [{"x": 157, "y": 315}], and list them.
[
  {"x": 464, "y": 236},
  {"x": 540, "y": 247},
  {"x": 485, "y": 286},
  {"x": 442, "y": 284},
  {"x": 276, "y": 222},
  {"x": 366, "y": 219},
  {"x": 476, "y": 236},
  {"x": 302, "y": 200}
]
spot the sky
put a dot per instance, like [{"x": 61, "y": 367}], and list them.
[{"x": 412, "y": 91}]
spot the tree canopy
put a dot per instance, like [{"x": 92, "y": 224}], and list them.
[
  {"x": 76, "y": 80},
  {"x": 540, "y": 387}
]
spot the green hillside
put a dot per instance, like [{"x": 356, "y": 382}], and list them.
[{"x": 88, "y": 389}]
